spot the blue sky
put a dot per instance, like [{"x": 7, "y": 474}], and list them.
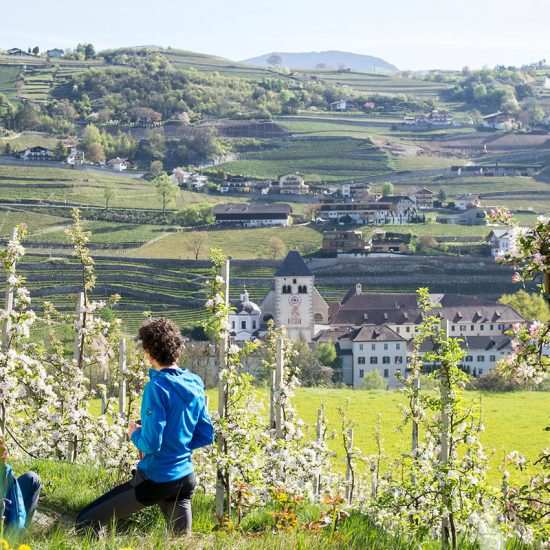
[{"x": 412, "y": 34}]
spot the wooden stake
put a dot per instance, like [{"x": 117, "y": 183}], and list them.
[
  {"x": 122, "y": 380},
  {"x": 318, "y": 436},
  {"x": 222, "y": 478},
  {"x": 279, "y": 384},
  {"x": 8, "y": 306},
  {"x": 349, "y": 473},
  {"x": 272, "y": 399}
]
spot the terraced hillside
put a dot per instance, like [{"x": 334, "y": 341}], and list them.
[
  {"x": 175, "y": 288},
  {"x": 328, "y": 158}
]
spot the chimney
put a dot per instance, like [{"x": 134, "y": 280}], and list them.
[{"x": 358, "y": 289}]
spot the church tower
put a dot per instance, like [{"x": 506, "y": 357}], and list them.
[{"x": 294, "y": 297}]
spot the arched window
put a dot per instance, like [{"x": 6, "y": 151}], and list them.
[
  {"x": 302, "y": 289},
  {"x": 287, "y": 289},
  {"x": 267, "y": 317}
]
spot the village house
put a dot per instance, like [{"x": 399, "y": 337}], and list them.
[
  {"x": 76, "y": 156},
  {"x": 253, "y": 215},
  {"x": 197, "y": 181},
  {"x": 18, "y": 53},
  {"x": 292, "y": 184},
  {"x": 499, "y": 239},
  {"x": 470, "y": 216},
  {"x": 55, "y": 53},
  {"x": 500, "y": 121},
  {"x": 180, "y": 176},
  {"x": 386, "y": 242},
  {"x": 395, "y": 210},
  {"x": 344, "y": 243},
  {"x": 118, "y": 164},
  {"x": 358, "y": 191},
  {"x": 36, "y": 153},
  {"x": 423, "y": 198},
  {"x": 441, "y": 118},
  {"x": 236, "y": 184},
  {"x": 344, "y": 105},
  {"x": 463, "y": 202}
]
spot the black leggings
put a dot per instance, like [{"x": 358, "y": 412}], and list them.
[{"x": 174, "y": 499}]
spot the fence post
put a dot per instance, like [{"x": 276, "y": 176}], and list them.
[
  {"x": 279, "y": 384},
  {"x": 122, "y": 380},
  {"x": 76, "y": 357},
  {"x": 8, "y": 305},
  {"x": 222, "y": 481},
  {"x": 272, "y": 399},
  {"x": 416, "y": 388},
  {"x": 318, "y": 437},
  {"x": 349, "y": 470}
]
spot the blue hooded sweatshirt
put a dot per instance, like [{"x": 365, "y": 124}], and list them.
[{"x": 174, "y": 422}]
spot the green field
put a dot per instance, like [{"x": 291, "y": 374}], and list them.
[
  {"x": 236, "y": 243},
  {"x": 327, "y": 159},
  {"x": 506, "y": 428}
]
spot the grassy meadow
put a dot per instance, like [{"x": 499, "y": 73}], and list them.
[
  {"x": 506, "y": 427},
  {"x": 236, "y": 243}
]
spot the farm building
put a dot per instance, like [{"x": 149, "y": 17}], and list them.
[
  {"x": 500, "y": 121},
  {"x": 118, "y": 164},
  {"x": 36, "y": 153},
  {"x": 468, "y": 200},
  {"x": 387, "y": 242},
  {"x": 423, "y": 198},
  {"x": 338, "y": 243},
  {"x": 236, "y": 184},
  {"x": 292, "y": 184},
  {"x": 471, "y": 216},
  {"x": 253, "y": 215},
  {"x": 396, "y": 210}
]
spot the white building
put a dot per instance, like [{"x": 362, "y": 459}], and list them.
[
  {"x": 463, "y": 202},
  {"x": 292, "y": 184},
  {"x": 37, "y": 153},
  {"x": 244, "y": 321}
]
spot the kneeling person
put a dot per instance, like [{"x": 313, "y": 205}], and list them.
[{"x": 174, "y": 422}]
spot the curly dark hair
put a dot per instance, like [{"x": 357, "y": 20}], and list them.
[{"x": 162, "y": 339}]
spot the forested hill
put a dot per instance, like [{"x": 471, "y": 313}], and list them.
[{"x": 330, "y": 59}]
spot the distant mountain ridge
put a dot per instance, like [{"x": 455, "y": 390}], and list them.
[{"x": 331, "y": 59}]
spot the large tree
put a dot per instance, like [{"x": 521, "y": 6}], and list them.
[
  {"x": 196, "y": 241},
  {"x": 531, "y": 306},
  {"x": 274, "y": 59},
  {"x": 167, "y": 190}
]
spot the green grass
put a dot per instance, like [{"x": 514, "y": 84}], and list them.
[
  {"x": 236, "y": 243},
  {"x": 68, "y": 487},
  {"x": 506, "y": 429},
  {"x": 23, "y": 140},
  {"x": 330, "y": 159}
]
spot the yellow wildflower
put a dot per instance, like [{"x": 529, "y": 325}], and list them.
[
  {"x": 24, "y": 547},
  {"x": 4, "y": 544}
]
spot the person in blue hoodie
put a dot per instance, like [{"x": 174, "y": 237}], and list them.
[{"x": 174, "y": 422}]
